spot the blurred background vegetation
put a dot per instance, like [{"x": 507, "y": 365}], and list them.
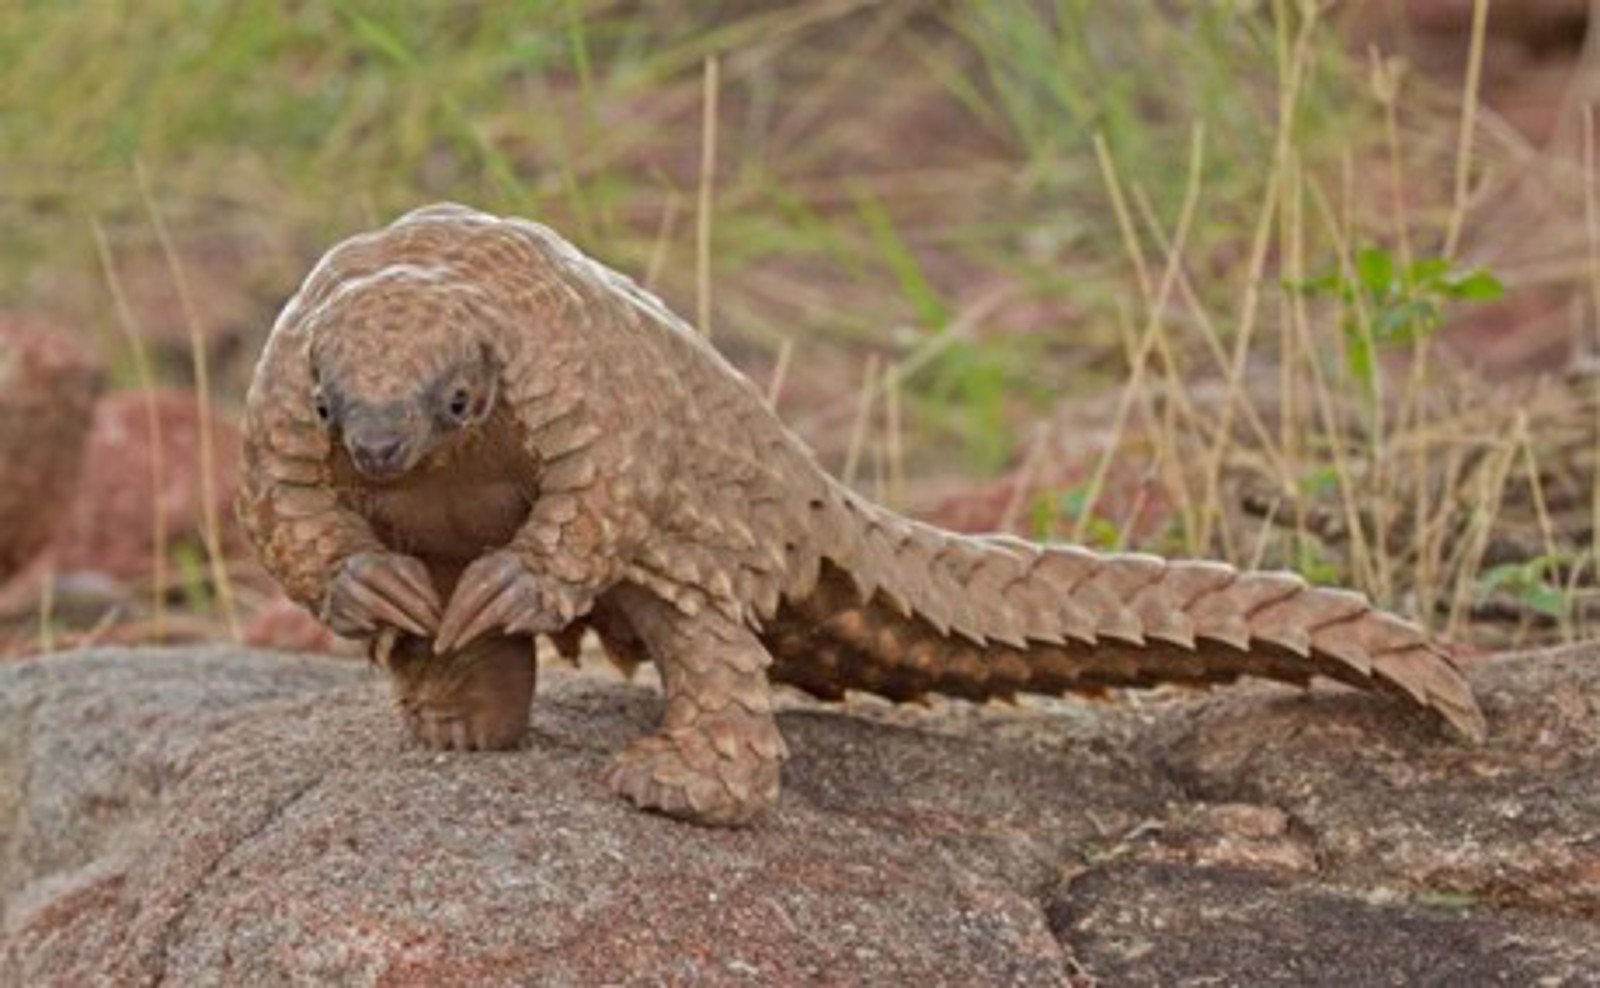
[{"x": 1261, "y": 280}]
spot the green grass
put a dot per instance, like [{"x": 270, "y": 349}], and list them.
[{"x": 325, "y": 117}]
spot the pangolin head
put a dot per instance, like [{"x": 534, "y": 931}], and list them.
[{"x": 403, "y": 367}]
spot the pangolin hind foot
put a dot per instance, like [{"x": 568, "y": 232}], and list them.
[{"x": 717, "y": 756}]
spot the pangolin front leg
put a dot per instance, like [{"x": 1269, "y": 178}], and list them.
[{"x": 717, "y": 758}]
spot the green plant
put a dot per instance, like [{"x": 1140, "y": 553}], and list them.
[
  {"x": 1311, "y": 560},
  {"x": 1387, "y": 303},
  {"x": 1533, "y": 583},
  {"x": 1057, "y": 513}
]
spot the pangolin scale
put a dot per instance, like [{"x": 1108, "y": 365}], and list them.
[{"x": 464, "y": 433}]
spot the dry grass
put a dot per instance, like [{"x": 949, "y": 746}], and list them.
[{"x": 926, "y": 226}]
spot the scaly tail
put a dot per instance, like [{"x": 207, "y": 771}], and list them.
[{"x": 902, "y": 609}]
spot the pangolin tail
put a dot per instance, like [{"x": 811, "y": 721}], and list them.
[{"x": 903, "y": 609}]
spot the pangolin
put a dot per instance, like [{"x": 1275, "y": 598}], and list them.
[{"x": 464, "y": 433}]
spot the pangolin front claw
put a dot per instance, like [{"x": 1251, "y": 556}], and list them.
[
  {"x": 374, "y": 590},
  {"x": 496, "y": 591}
]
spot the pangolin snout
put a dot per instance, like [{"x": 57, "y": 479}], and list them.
[{"x": 380, "y": 455}]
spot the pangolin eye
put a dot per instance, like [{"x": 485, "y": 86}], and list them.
[
  {"x": 323, "y": 412},
  {"x": 460, "y": 403}
]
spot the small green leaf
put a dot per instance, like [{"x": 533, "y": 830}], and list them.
[
  {"x": 1375, "y": 268},
  {"x": 1327, "y": 284},
  {"x": 1499, "y": 577},
  {"x": 1358, "y": 357},
  {"x": 1320, "y": 482},
  {"x": 192, "y": 574},
  {"x": 1475, "y": 286},
  {"x": 1406, "y": 321},
  {"x": 1312, "y": 562},
  {"x": 1427, "y": 272},
  {"x": 1101, "y": 533},
  {"x": 1065, "y": 509},
  {"x": 1042, "y": 519},
  {"x": 1527, "y": 584},
  {"x": 1544, "y": 599}
]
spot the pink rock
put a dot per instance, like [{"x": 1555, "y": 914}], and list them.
[
  {"x": 284, "y": 626},
  {"x": 112, "y": 523},
  {"x": 211, "y": 816},
  {"x": 48, "y": 384}
]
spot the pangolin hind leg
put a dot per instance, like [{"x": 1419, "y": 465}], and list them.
[
  {"x": 718, "y": 755},
  {"x": 477, "y": 698}
]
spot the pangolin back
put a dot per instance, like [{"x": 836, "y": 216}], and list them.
[{"x": 902, "y": 609}]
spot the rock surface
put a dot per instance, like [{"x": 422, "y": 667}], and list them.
[{"x": 223, "y": 817}]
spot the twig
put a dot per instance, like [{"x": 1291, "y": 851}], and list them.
[{"x": 141, "y": 369}]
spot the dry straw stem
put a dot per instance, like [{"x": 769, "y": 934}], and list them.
[
  {"x": 202, "y": 381},
  {"x": 1386, "y": 79},
  {"x": 1294, "y": 61},
  {"x": 893, "y": 437},
  {"x": 1119, "y": 209},
  {"x": 1491, "y": 476},
  {"x": 1322, "y": 392},
  {"x": 1547, "y": 530},
  {"x": 1368, "y": 557},
  {"x": 1022, "y": 482},
  {"x": 662, "y": 245},
  {"x": 1378, "y": 492},
  {"x": 928, "y": 350},
  {"x": 1291, "y": 222},
  {"x": 1155, "y": 309},
  {"x": 880, "y": 471},
  {"x": 1181, "y": 405},
  {"x": 708, "y": 174},
  {"x": 1269, "y": 521},
  {"x": 1180, "y": 411},
  {"x": 1444, "y": 526},
  {"x": 780, "y": 372},
  {"x": 1295, "y": 338},
  {"x": 863, "y": 422},
  {"x": 1166, "y": 429},
  {"x": 1130, "y": 518},
  {"x": 47, "y": 608},
  {"x": 1208, "y": 335},
  {"x": 1591, "y": 215},
  {"x": 1428, "y": 551},
  {"x": 1469, "y": 118},
  {"x": 131, "y": 333}
]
